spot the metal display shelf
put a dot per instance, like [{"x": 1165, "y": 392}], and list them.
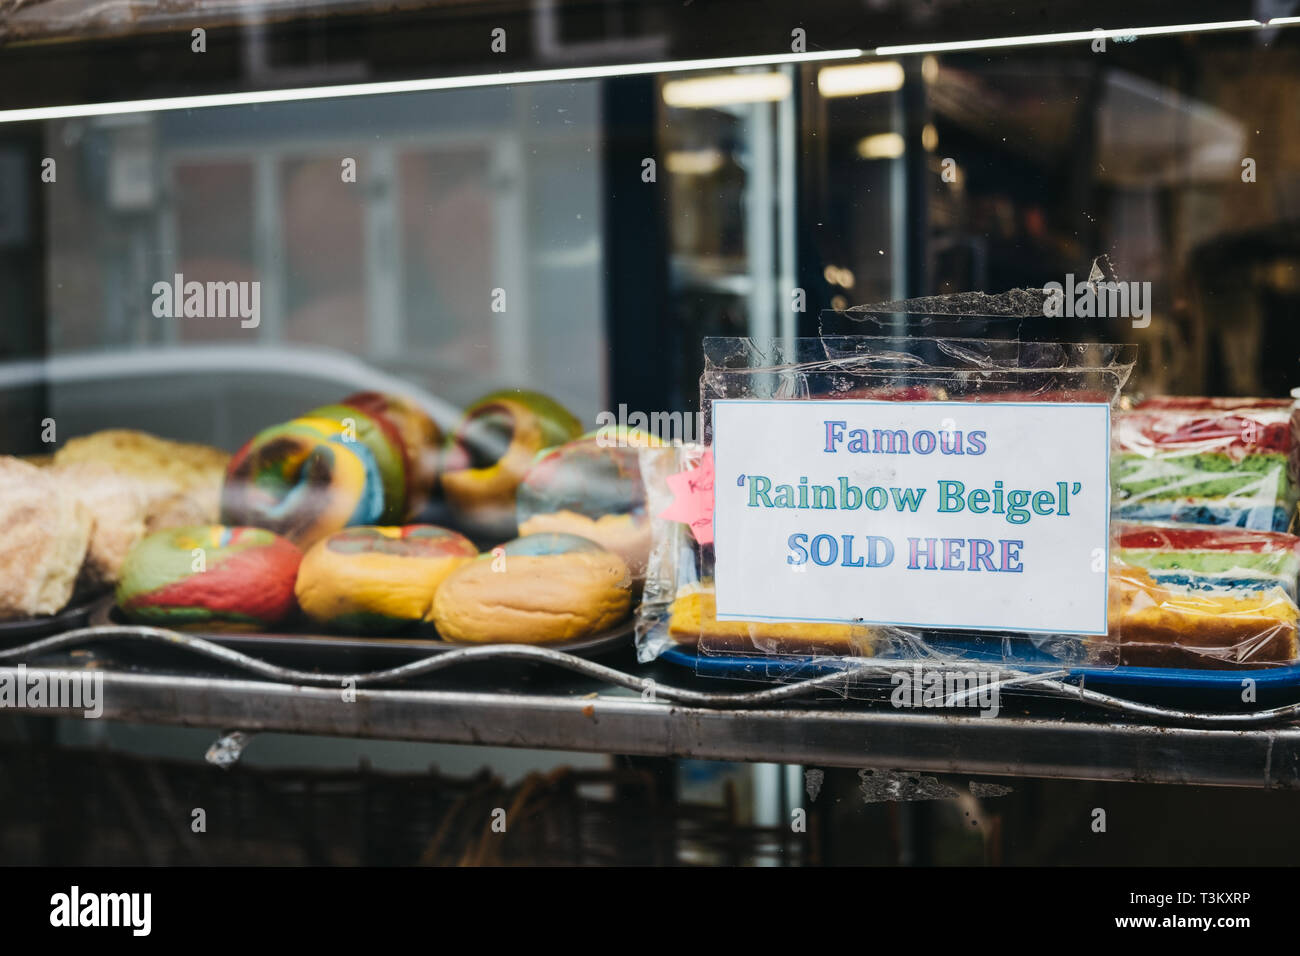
[{"x": 573, "y": 707}]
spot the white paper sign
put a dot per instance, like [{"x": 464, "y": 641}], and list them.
[{"x": 979, "y": 515}]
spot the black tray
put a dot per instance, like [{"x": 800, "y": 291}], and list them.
[
  {"x": 300, "y": 645},
  {"x": 75, "y": 615}
]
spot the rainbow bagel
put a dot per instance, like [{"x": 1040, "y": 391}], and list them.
[
  {"x": 591, "y": 487},
  {"x": 378, "y": 579},
  {"x": 384, "y": 443},
  {"x": 210, "y": 574},
  {"x": 534, "y": 590},
  {"x": 304, "y": 479},
  {"x": 420, "y": 437},
  {"x": 492, "y": 450},
  {"x": 372, "y": 458}
]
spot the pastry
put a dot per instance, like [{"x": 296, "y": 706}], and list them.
[
  {"x": 694, "y": 620},
  {"x": 534, "y": 590},
  {"x": 195, "y": 471},
  {"x": 133, "y": 484},
  {"x": 1156, "y": 625},
  {"x": 1198, "y": 597},
  {"x": 382, "y": 440},
  {"x": 420, "y": 437},
  {"x": 592, "y": 491},
  {"x": 359, "y": 462},
  {"x": 1204, "y": 461},
  {"x": 211, "y": 575},
  {"x": 119, "y": 508},
  {"x": 492, "y": 450},
  {"x": 304, "y": 479},
  {"x": 44, "y": 532},
  {"x": 1211, "y": 559},
  {"x": 373, "y": 580}
]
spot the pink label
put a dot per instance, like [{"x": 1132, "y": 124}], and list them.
[{"x": 693, "y": 499}]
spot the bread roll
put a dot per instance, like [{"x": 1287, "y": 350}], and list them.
[
  {"x": 210, "y": 576},
  {"x": 134, "y": 484},
  {"x": 372, "y": 580},
  {"x": 43, "y": 537},
  {"x": 536, "y": 590}
]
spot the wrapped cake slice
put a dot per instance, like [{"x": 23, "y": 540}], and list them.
[
  {"x": 1207, "y": 598},
  {"x": 1221, "y": 560},
  {"x": 1204, "y": 461},
  {"x": 694, "y": 620},
  {"x": 1153, "y": 625}
]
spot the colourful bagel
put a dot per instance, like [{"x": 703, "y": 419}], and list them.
[
  {"x": 378, "y": 579},
  {"x": 304, "y": 479},
  {"x": 492, "y": 449},
  {"x": 372, "y": 458},
  {"x": 421, "y": 441},
  {"x": 209, "y": 575},
  {"x": 534, "y": 590},
  {"x": 591, "y": 487},
  {"x": 384, "y": 442}
]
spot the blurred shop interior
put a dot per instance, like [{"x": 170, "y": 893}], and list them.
[
  {"x": 855, "y": 181},
  {"x": 581, "y": 236}
]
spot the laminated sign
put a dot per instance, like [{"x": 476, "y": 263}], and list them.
[{"x": 970, "y": 515}]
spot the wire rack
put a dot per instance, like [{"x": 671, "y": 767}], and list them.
[{"x": 1051, "y": 683}]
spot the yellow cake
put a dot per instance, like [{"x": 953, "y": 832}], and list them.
[{"x": 694, "y": 618}]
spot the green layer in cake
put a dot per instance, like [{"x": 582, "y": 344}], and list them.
[{"x": 1177, "y": 477}]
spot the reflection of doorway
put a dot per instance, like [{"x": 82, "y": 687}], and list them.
[
  {"x": 1246, "y": 297},
  {"x": 212, "y": 206},
  {"x": 463, "y": 234},
  {"x": 399, "y": 266}
]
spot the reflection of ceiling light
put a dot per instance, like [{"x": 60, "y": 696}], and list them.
[
  {"x": 881, "y": 146},
  {"x": 856, "y": 79},
  {"x": 700, "y": 92},
  {"x": 929, "y": 137},
  {"x": 929, "y": 68},
  {"x": 1041, "y": 38},
  {"x": 559, "y": 75},
  {"x": 838, "y": 275},
  {"x": 694, "y": 162}
]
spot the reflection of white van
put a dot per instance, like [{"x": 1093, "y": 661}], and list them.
[{"x": 216, "y": 394}]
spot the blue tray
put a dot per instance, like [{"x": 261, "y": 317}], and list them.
[{"x": 1160, "y": 682}]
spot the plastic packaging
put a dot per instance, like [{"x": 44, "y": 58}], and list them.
[
  {"x": 1179, "y": 596},
  {"x": 678, "y": 603},
  {"x": 1198, "y": 597},
  {"x": 1208, "y": 461}
]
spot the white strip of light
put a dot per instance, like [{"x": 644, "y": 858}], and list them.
[
  {"x": 881, "y": 146},
  {"x": 703, "y": 92},
  {"x": 1040, "y": 39},
  {"x": 567, "y": 74},
  {"x": 859, "y": 79},
  {"x": 572, "y": 74}
]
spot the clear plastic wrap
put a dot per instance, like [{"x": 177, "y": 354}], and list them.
[
  {"x": 1211, "y": 461},
  {"x": 1178, "y": 596},
  {"x": 1202, "y": 597},
  {"x": 678, "y": 607}
]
